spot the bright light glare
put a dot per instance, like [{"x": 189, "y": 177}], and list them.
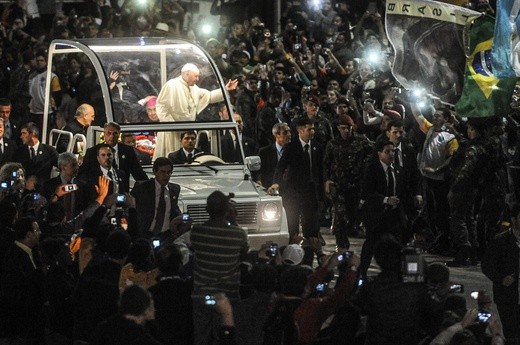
[
  {"x": 418, "y": 92},
  {"x": 141, "y": 2},
  {"x": 373, "y": 57},
  {"x": 270, "y": 212},
  {"x": 421, "y": 104},
  {"x": 206, "y": 29}
]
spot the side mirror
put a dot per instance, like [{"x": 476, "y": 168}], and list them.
[{"x": 253, "y": 163}]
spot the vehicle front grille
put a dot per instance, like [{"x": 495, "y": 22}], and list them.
[{"x": 246, "y": 213}]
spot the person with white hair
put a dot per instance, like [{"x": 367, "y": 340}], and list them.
[{"x": 181, "y": 99}]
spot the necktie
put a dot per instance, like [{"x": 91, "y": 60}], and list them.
[
  {"x": 397, "y": 161},
  {"x": 67, "y": 204},
  {"x": 33, "y": 154},
  {"x": 110, "y": 175},
  {"x": 190, "y": 157},
  {"x": 307, "y": 158},
  {"x": 391, "y": 182},
  {"x": 8, "y": 131},
  {"x": 161, "y": 210}
]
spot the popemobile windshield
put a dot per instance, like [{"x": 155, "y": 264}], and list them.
[{"x": 120, "y": 77}]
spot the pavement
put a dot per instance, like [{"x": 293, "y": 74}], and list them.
[{"x": 470, "y": 277}]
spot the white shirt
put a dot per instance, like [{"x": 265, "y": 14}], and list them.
[{"x": 166, "y": 223}]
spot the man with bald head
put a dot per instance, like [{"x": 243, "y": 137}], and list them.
[
  {"x": 181, "y": 99},
  {"x": 83, "y": 118}
]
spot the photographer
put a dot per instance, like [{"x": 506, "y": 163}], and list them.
[{"x": 396, "y": 311}]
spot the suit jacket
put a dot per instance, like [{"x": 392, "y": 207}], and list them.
[
  {"x": 144, "y": 194},
  {"x": 292, "y": 169},
  {"x": 9, "y": 148},
  {"x": 179, "y": 157},
  {"x": 74, "y": 127},
  {"x": 374, "y": 190},
  {"x": 411, "y": 176},
  {"x": 41, "y": 166},
  {"x": 128, "y": 163},
  {"x": 230, "y": 152},
  {"x": 81, "y": 196},
  {"x": 15, "y": 131},
  {"x": 93, "y": 179},
  {"x": 269, "y": 159},
  {"x": 249, "y": 145}
]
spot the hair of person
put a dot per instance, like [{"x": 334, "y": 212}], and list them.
[
  {"x": 279, "y": 127},
  {"x": 161, "y": 162},
  {"x": 6, "y": 171},
  {"x": 23, "y": 226},
  {"x": 8, "y": 212},
  {"x": 303, "y": 122},
  {"x": 102, "y": 146},
  {"x": 169, "y": 260},
  {"x": 217, "y": 204},
  {"x": 82, "y": 110},
  {"x": 32, "y": 128},
  {"x": 42, "y": 53},
  {"x": 117, "y": 244},
  {"x": 66, "y": 158},
  {"x": 126, "y": 135},
  {"x": 139, "y": 254},
  {"x": 134, "y": 301},
  {"x": 188, "y": 132},
  {"x": 112, "y": 125},
  {"x": 394, "y": 123},
  {"x": 5, "y": 102},
  {"x": 293, "y": 281},
  {"x": 446, "y": 113},
  {"x": 380, "y": 144},
  {"x": 189, "y": 67},
  {"x": 387, "y": 253}
]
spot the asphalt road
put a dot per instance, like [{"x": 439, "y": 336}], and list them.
[{"x": 470, "y": 277}]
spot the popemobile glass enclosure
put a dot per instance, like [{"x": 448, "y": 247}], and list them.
[{"x": 120, "y": 78}]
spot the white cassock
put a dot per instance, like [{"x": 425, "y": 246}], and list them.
[{"x": 179, "y": 102}]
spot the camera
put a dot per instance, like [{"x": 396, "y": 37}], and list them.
[
  {"x": 15, "y": 175},
  {"x": 412, "y": 265},
  {"x": 156, "y": 242},
  {"x": 273, "y": 250},
  {"x": 320, "y": 288},
  {"x": 120, "y": 200},
  {"x": 209, "y": 300},
  {"x": 297, "y": 46},
  {"x": 70, "y": 187},
  {"x": 186, "y": 217},
  {"x": 345, "y": 256},
  {"x": 5, "y": 184},
  {"x": 483, "y": 316},
  {"x": 36, "y": 196}
]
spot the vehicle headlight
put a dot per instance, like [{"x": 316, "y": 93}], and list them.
[{"x": 270, "y": 212}]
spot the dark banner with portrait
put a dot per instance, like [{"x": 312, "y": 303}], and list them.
[{"x": 427, "y": 37}]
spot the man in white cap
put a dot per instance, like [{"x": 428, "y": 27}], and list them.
[{"x": 181, "y": 99}]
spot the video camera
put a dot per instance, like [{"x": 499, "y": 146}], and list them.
[{"x": 412, "y": 265}]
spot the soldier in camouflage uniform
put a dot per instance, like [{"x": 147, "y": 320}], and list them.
[
  {"x": 470, "y": 168},
  {"x": 345, "y": 157},
  {"x": 322, "y": 126}
]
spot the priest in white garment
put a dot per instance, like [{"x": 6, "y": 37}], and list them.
[{"x": 181, "y": 99}]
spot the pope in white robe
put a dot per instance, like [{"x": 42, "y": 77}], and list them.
[{"x": 181, "y": 99}]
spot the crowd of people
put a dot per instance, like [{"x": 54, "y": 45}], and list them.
[{"x": 84, "y": 260}]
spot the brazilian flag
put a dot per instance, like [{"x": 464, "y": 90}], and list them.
[{"x": 483, "y": 95}]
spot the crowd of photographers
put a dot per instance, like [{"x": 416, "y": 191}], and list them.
[{"x": 66, "y": 268}]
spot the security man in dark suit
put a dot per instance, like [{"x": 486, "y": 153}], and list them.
[
  {"x": 156, "y": 200},
  {"x": 187, "y": 151},
  {"x": 381, "y": 190},
  {"x": 300, "y": 170},
  {"x": 271, "y": 154},
  {"x": 11, "y": 128},
  {"x": 125, "y": 158},
  {"x": 7, "y": 146},
  {"x": 37, "y": 158}
]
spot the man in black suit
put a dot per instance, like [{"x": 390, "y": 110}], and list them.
[
  {"x": 124, "y": 158},
  {"x": 381, "y": 190},
  {"x": 405, "y": 158},
  {"x": 37, "y": 158},
  {"x": 76, "y": 201},
  {"x": 85, "y": 115},
  {"x": 300, "y": 170},
  {"x": 249, "y": 145},
  {"x": 156, "y": 200},
  {"x": 12, "y": 129},
  {"x": 187, "y": 151},
  {"x": 21, "y": 288},
  {"x": 271, "y": 154},
  {"x": 7, "y": 146}
]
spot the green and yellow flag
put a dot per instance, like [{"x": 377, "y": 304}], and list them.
[{"x": 483, "y": 95}]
